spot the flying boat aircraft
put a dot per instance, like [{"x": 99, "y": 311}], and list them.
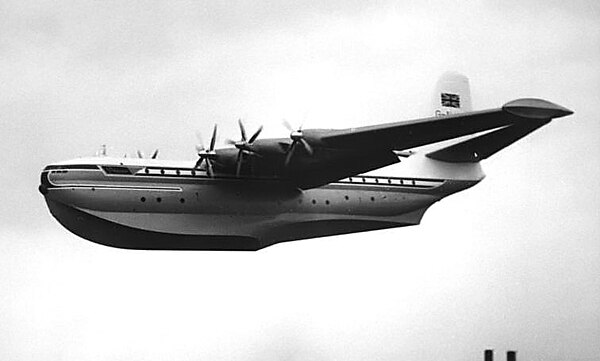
[{"x": 257, "y": 192}]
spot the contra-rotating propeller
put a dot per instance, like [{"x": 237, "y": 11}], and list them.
[
  {"x": 297, "y": 138},
  {"x": 244, "y": 145},
  {"x": 207, "y": 156}
]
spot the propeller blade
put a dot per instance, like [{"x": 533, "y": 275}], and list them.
[
  {"x": 199, "y": 162},
  {"x": 290, "y": 152},
  {"x": 140, "y": 154},
  {"x": 200, "y": 148},
  {"x": 307, "y": 146},
  {"x": 238, "y": 168},
  {"x": 200, "y": 142},
  {"x": 230, "y": 141},
  {"x": 213, "y": 140},
  {"x": 255, "y": 135},
  {"x": 155, "y": 154},
  {"x": 288, "y": 125},
  {"x": 209, "y": 168},
  {"x": 242, "y": 129}
]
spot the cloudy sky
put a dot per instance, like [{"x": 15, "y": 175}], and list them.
[{"x": 510, "y": 264}]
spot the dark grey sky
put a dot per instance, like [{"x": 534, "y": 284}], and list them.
[{"x": 511, "y": 263}]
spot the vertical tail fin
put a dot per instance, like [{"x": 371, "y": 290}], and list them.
[{"x": 452, "y": 94}]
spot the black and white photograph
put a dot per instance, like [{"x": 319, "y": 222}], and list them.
[{"x": 300, "y": 180}]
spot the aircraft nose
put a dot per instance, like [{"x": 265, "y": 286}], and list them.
[
  {"x": 44, "y": 183},
  {"x": 43, "y": 189}
]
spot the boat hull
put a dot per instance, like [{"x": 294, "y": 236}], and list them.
[{"x": 176, "y": 212}]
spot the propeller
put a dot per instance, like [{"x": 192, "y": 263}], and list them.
[
  {"x": 244, "y": 145},
  {"x": 205, "y": 155},
  {"x": 297, "y": 138},
  {"x": 102, "y": 151},
  {"x": 153, "y": 156}
]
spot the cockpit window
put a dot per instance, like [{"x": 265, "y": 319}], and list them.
[
  {"x": 111, "y": 169},
  {"x": 71, "y": 166}
]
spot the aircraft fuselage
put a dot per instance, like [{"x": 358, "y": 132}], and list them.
[{"x": 165, "y": 206}]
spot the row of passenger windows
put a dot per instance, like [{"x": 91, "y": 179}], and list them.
[
  {"x": 353, "y": 180},
  {"x": 300, "y": 201},
  {"x": 180, "y": 172},
  {"x": 377, "y": 180},
  {"x": 159, "y": 200},
  {"x": 392, "y": 181},
  {"x": 314, "y": 201},
  {"x": 121, "y": 170}
]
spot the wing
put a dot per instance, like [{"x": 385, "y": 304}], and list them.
[
  {"x": 342, "y": 153},
  {"x": 357, "y": 150},
  {"x": 414, "y": 133}
]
